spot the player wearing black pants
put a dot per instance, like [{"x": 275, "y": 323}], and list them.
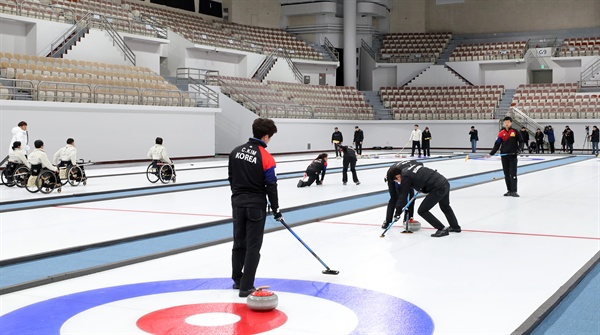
[
  {"x": 252, "y": 179},
  {"x": 394, "y": 189},
  {"x": 509, "y": 141},
  {"x": 437, "y": 188},
  {"x": 337, "y": 138},
  {"x": 317, "y": 167},
  {"x": 426, "y": 141},
  {"x": 359, "y": 136},
  {"x": 349, "y": 161}
]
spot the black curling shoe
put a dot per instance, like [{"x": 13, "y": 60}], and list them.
[
  {"x": 515, "y": 194},
  {"x": 508, "y": 194},
  {"x": 245, "y": 293},
  {"x": 440, "y": 233},
  {"x": 385, "y": 225},
  {"x": 453, "y": 230}
]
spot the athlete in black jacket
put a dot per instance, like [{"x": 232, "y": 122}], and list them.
[
  {"x": 337, "y": 138},
  {"x": 252, "y": 179},
  {"x": 359, "y": 136},
  {"x": 349, "y": 161},
  {"x": 509, "y": 141},
  {"x": 437, "y": 188},
  {"x": 316, "y": 167},
  {"x": 394, "y": 189}
]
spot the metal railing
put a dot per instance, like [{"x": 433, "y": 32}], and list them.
[
  {"x": 196, "y": 79},
  {"x": 63, "y": 42},
  {"x": 368, "y": 49},
  {"x": 428, "y": 114},
  {"x": 590, "y": 71},
  {"x": 117, "y": 95},
  {"x": 63, "y": 92},
  {"x": 159, "y": 29},
  {"x": 19, "y": 89},
  {"x": 265, "y": 67},
  {"x": 288, "y": 59},
  {"x": 48, "y": 12},
  {"x": 331, "y": 49}
]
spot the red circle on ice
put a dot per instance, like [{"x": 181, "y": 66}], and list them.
[{"x": 171, "y": 321}]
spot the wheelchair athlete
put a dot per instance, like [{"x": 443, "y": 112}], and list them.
[
  {"x": 17, "y": 162},
  {"x": 159, "y": 156},
  {"x": 66, "y": 158},
  {"x": 39, "y": 165}
]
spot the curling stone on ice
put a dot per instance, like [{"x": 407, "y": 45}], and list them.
[
  {"x": 414, "y": 225},
  {"x": 262, "y": 299}
]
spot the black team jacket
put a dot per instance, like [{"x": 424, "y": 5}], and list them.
[
  {"x": 508, "y": 142},
  {"x": 252, "y": 176}
]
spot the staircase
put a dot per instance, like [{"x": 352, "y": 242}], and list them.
[
  {"x": 445, "y": 56},
  {"x": 520, "y": 119},
  {"x": 590, "y": 78},
  {"x": 188, "y": 81},
  {"x": 438, "y": 75},
  {"x": 506, "y": 100},
  {"x": 74, "y": 34},
  {"x": 264, "y": 68},
  {"x": 379, "y": 111},
  {"x": 323, "y": 52}
]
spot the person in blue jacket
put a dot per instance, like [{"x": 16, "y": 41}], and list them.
[{"x": 551, "y": 139}]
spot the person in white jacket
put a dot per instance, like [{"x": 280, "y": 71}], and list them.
[
  {"x": 66, "y": 155},
  {"x": 19, "y": 133},
  {"x": 17, "y": 156},
  {"x": 415, "y": 137},
  {"x": 39, "y": 156},
  {"x": 159, "y": 153}
]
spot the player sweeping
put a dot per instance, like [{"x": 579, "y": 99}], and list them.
[
  {"x": 437, "y": 188},
  {"x": 394, "y": 189}
]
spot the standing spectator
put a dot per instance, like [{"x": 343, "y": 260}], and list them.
[
  {"x": 19, "y": 133},
  {"x": 525, "y": 136},
  {"x": 317, "y": 167},
  {"x": 359, "y": 136},
  {"x": 569, "y": 139},
  {"x": 595, "y": 138},
  {"x": 349, "y": 161},
  {"x": 565, "y": 141},
  {"x": 337, "y": 138},
  {"x": 252, "y": 176},
  {"x": 508, "y": 141},
  {"x": 426, "y": 139},
  {"x": 551, "y": 139},
  {"x": 473, "y": 137},
  {"x": 539, "y": 141},
  {"x": 415, "y": 137}
]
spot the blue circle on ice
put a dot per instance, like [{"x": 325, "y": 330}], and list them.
[{"x": 377, "y": 313}]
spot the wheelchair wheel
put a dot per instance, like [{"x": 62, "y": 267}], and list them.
[
  {"x": 20, "y": 176},
  {"x": 152, "y": 174},
  {"x": 165, "y": 173},
  {"x": 49, "y": 182},
  {"x": 32, "y": 184},
  {"x": 7, "y": 180},
  {"x": 75, "y": 175}
]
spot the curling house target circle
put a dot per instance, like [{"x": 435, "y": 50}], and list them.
[{"x": 48, "y": 317}]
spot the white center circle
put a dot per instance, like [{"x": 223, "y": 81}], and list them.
[{"x": 212, "y": 319}]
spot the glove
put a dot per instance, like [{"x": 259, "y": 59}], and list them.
[{"x": 277, "y": 216}]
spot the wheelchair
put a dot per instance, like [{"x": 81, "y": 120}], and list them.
[
  {"x": 15, "y": 174},
  {"x": 160, "y": 171},
  {"x": 43, "y": 180},
  {"x": 72, "y": 174}
]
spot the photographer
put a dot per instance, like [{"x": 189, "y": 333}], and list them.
[
  {"x": 525, "y": 136},
  {"x": 594, "y": 138},
  {"x": 569, "y": 139},
  {"x": 551, "y": 139}
]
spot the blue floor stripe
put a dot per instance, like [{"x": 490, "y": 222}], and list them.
[
  {"x": 579, "y": 312},
  {"x": 54, "y": 266}
]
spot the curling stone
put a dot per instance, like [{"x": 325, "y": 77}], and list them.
[
  {"x": 262, "y": 300},
  {"x": 414, "y": 225}
]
